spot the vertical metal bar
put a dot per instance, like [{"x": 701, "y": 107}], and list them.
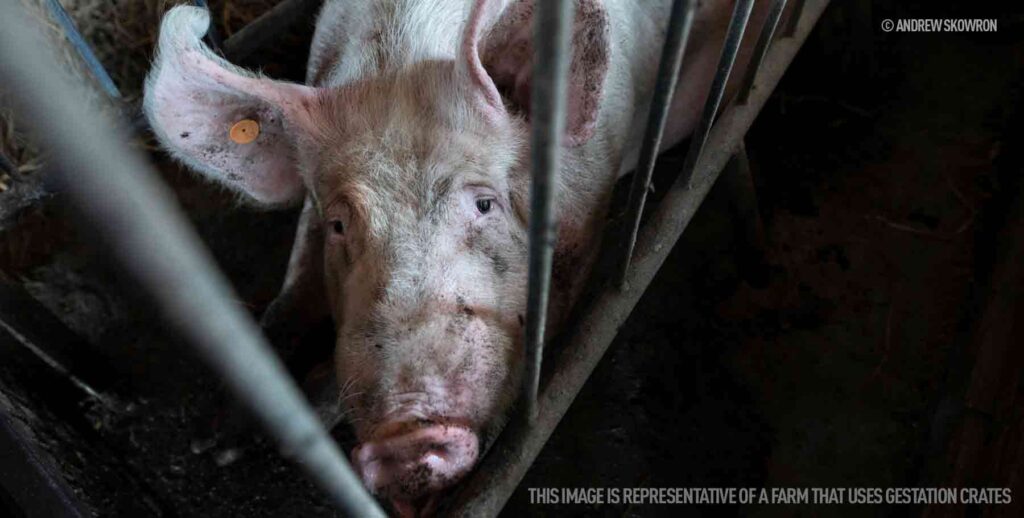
[
  {"x": 485, "y": 492},
  {"x": 82, "y": 47},
  {"x": 733, "y": 38},
  {"x": 748, "y": 230},
  {"x": 552, "y": 29},
  {"x": 134, "y": 213},
  {"x": 212, "y": 36},
  {"x": 501, "y": 470},
  {"x": 760, "y": 49},
  {"x": 680, "y": 21},
  {"x": 794, "y": 17}
]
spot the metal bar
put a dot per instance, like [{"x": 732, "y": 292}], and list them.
[
  {"x": 733, "y": 39},
  {"x": 760, "y": 48},
  {"x": 31, "y": 482},
  {"x": 500, "y": 471},
  {"x": 794, "y": 17},
  {"x": 680, "y": 21},
  {"x": 748, "y": 230},
  {"x": 56, "y": 399},
  {"x": 82, "y": 47},
  {"x": 119, "y": 196},
  {"x": 552, "y": 26},
  {"x": 261, "y": 31},
  {"x": 212, "y": 35},
  {"x": 70, "y": 356}
]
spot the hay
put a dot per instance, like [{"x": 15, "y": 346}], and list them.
[{"x": 122, "y": 34}]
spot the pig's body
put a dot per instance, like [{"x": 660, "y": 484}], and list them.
[
  {"x": 356, "y": 40},
  {"x": 410, "y": 146}
]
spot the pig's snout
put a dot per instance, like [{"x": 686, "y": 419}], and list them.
[{"x": 412, "y": 466}]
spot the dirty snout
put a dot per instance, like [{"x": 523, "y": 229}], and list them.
[
  {"x": 432, "y": 392},
  {"x": 412, "y": 463}
]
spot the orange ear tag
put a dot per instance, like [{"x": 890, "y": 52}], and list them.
[{"x": 244, "y": 131}]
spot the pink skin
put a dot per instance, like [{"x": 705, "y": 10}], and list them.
[
  {"x": 417, "y": 462},
  {"x": 424, "y": 271},
  {"x": 410, "y": 151},
  {"x": 457, "y": 330}
]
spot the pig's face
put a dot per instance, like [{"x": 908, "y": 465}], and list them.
[
  {"x": 419, "y": 180},
  {"x": 425, "y": 264}
]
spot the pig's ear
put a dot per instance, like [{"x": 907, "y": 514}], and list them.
[
  {"x": 233, "y": 126},
  {"x": 497, "y": 52}
]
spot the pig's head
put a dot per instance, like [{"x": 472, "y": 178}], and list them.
[{"x": 419, "y": 181}]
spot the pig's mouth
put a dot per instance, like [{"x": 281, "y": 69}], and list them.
[{"x": 412, "y": 467}]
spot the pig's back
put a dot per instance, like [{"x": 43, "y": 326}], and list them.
[
  {"x": 356, "y": 39},
  {"x": 359, "y": 39},
  {"x": 703, "y": 50}
]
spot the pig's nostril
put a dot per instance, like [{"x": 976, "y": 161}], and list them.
[
  {"x": 415, "y": 463},
  {"x": 433, "y": 459}
]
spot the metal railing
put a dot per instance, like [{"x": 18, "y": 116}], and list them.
[
  {"x": 134, "y": 213},
  {"x": 74, "y": 36},
  {"x": 764, "y": 39},
  {"x": 121, "y": 197},
  {"x": 712, "y": 146},
  {"x": 679, "y": 23},
  {"x": 552, "y": 29}
]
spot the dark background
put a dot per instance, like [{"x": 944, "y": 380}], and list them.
[{"x": 872, "y": 343}]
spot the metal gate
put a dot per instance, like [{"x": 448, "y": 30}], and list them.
[{"x": 122, "y": 198}]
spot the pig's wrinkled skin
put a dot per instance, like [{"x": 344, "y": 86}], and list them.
[{"x": 410, "y": 147}]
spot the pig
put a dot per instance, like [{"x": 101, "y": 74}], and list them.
[{"x": 408, "y": 148}]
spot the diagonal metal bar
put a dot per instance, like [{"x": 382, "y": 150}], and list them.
[
  {"x": 552, "y": 26},
  {"x": 32, "y": 485},
  {"x": 794, "y": 17},
  {"x": 82, "y": 47},
  {"x": 500, "y": 471},
  {"x": 120, "y": 196},
  {"x": 680, "y": 21},
  {"x": 760, "y": 48},
  {"x": 733, "y": 39},
  {"x": 29, "y": 324}
]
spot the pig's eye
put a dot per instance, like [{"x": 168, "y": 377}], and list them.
[
  {"x": 337, "y": 227},
  {"x": 484, "y": 205}
]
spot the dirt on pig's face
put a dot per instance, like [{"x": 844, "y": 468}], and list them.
[{"x": 425, "y": 249}]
